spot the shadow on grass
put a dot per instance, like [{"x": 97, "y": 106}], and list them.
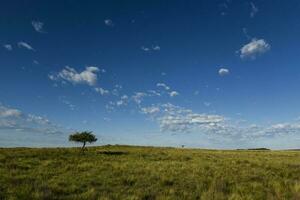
[{"x": 117, "y": 153}]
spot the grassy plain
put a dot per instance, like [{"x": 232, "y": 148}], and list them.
[{"x": 124, "y": 172}]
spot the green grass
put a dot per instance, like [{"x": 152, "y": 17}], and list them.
[{"x": 121, "y": 172}]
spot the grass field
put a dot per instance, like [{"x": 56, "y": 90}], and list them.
[{"x": 121, "y": 172}]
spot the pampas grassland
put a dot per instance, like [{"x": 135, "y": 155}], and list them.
[{"x": 124, "y": 172}]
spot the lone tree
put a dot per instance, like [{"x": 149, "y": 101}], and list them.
[{"x": 83, "y": 137}]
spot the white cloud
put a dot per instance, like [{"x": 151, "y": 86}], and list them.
[
  {"x": 254, "y": 9},
  {"x": 123, "y": 101},
  {"x": 101, "y": 91},
  {"x": 25, "y": 45},
  {"x": 282, "y": 129},
  {"x": 156, "y": 48},
  {"x": 207, "y": 104},
  {"x": 153, "y": 93},
  {"x": 163, "y": 85},
  {"x": 196, "y": 92},
  {"x": 106, "y": 119},
  {"x": 117, "y": 89},
  {"x": 178, "y": 119},
  {"x": 8, "y": 47},
  {"x": 223, "y": 72},
  {"x": 110, "y": 106},
  {"x": 88, "y": 76},
  {"x": 172, "y": 118},
  {"x": 37, "y": 119},
  {"x": 9, "y": 112},
  {"x": 108, "y": 22},
  {"x": 35, "y": 62},
  {"x": 173, "y": 94},
  {"x": 153, "y": 48},
  {"x": 14, "y": 119},
  {"x": 118, "y": 86},
  {"x": 145, "y": 48},
  {"x": 38, "y": 26},
  {"x": 138, "y": 97},
  {"x": 150, "y": 110},
  {"x": 254, "y": 48},
  {"x": 245, "y": 31}
]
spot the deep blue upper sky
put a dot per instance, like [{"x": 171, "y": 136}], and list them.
[{"x": 211, "y": 74}]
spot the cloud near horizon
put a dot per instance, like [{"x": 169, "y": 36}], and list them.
[
  {"x": 14, "y": 119},
  {"x": 176, "y": 119}
]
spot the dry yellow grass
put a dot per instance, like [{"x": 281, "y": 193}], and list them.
[{"x": 122, "y": 172}]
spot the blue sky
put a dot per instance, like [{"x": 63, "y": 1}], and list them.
[{"x": 207, "y": 74}]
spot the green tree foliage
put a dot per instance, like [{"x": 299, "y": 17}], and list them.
[{"x": 83, "y": 137}]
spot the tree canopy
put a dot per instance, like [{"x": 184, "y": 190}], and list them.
[{"x": 83, "y": 137}]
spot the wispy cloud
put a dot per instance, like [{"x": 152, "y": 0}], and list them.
[
  {"x": 108, "y": 22},
  {"x": 138, "y": 97},
  {"x": 25, "y": 45},
  {"x": 177, "y": 119},
  {"x": 38, "y": 26},
  {"x": 117, "y": 90},
  {"x": 9, "y": 112},
  {"x": 64, "y": 100},
  {"x": 245, "y": 31},
  {"x": 254, "y": 48},
  {"x": 152, "y": 48},
  {"x": 88, "y": 76},
  {"x": 8, "y": 47},
  {"x": 196, "y": 92},
  {"x": 102, "y": 91},
  {"x": 173, "y": 93},
  {"x": 163, "y": 85},
  {"x": 254, "y": 10},
  {"x": 224, "y": 7},
  {"x": 156, "y": 48},
  {"x": 123, "y": 101},
  {"x": 35, "y": 62},
  {"x": 172, "y": 118},
  {"x": 153, "y": 93},
  {"x": 14, "y": 119},
  {"x": 207, "y": 104},
  {"x": 145, "y": 48},
  {"x": 150, "y": 110},
  {"x": 223, "y": 72}
]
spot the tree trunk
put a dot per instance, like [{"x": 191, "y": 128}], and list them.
[{"x": 83, "y": 146}]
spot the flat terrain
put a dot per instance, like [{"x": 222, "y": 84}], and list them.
[{"x": 121, "y": 172}]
